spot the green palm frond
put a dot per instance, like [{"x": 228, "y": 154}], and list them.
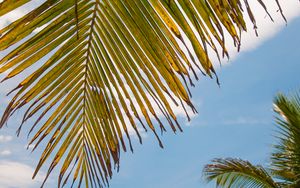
[
  {"x": 286, "y": 158},
  {"x": 230, "y": 173},
  {"x": 100, "y": 63}
]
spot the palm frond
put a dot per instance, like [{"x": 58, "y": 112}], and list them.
[
  {"x": 99, "y": 64},
  {"x": 286, "y": 158},
  {"x": 230, "y": 173}
]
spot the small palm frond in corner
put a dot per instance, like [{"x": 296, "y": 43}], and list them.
[
  {"x": 237, "y": 173},
  {"x": 285, "y": 160}
]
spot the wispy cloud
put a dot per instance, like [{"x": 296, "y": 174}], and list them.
[
  {"x": 5, "y": 152},
  {"x": 15, "y": 174},
  {"x": 4, "y": 138},
  {"x": 244, "y": 120},
  {"x": 234, "y": 121}
]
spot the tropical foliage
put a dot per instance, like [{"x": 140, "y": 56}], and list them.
[
  {"x": 102, "y": 67},
  {"x": 285, "y": 160}
]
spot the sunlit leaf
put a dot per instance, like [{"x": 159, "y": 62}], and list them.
[{"x": 101, "y": 68}]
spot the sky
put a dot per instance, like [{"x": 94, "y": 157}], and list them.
[{"x": 234, "y": 120}]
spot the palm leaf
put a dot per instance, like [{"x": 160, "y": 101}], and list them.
[
  {"x": 100, "y": 63},
  {"x": 230, "y": 173},
  {"x": 286, "y": 158}
]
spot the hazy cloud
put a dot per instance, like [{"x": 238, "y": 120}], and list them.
[
  {"x": 5, "y": 153},
  {"x": 15, "y": 174},
  {"x": 4, "y": 138},
  {"x": 244, "y": 120}
]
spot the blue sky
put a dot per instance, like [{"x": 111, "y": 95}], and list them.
[{"x": 235, "y": 120}]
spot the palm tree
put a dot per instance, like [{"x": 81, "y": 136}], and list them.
[
  {"x": 102, "y": 67},
  {"x": 285, "y": 160}
]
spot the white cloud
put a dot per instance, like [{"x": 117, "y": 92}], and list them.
[
  {"x": 15, "y": 174},
  {"x": 4, "y": 138},
  {"x": 244, "y": 120},
  {"x": 18, "y": 13},
  {"x": 11, "y": 16},
  {"x": 266, "y": 28},
  {"x": 5, "y": 153}
]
